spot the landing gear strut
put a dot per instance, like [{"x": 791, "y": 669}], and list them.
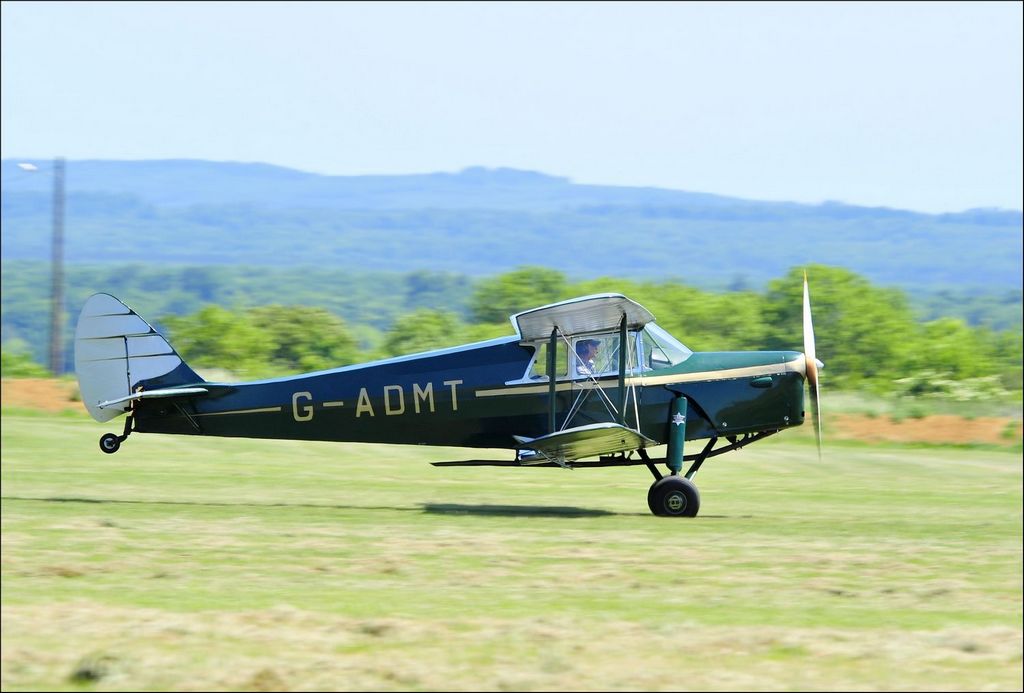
[
  {"x": 661, "y": 498},
  {"x": 675, "y": 495},
  {"x": 111, "y": 442}
]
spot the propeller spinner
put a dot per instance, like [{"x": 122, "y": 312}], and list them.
[{"x": 812, "y": 366}]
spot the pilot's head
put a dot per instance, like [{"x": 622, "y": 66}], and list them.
[{"x": 586, "y": 349}]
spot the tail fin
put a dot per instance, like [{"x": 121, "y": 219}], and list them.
[{"x": 116, "y": 351}]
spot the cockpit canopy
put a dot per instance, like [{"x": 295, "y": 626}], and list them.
[
  {"x": 587, "y": 331},
  {"x": 597, "y": 354}
]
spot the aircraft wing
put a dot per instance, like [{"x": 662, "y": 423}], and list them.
[
  {"x": 569, "y": 446},
  {"x": 585, "y": 314},
  {"x": 581, "y": 441}
]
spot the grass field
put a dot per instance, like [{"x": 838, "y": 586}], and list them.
[{"x": 203, "y": 564}]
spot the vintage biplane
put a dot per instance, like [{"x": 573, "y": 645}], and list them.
[{"x": 588, "y": 382}]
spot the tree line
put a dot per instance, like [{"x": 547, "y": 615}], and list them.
[{"x": 867, "y": 335}]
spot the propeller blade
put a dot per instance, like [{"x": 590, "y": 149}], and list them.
[{"x": 811, "y": 366}]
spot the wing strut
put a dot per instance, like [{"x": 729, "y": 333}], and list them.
[
  {"x": 552, "y": 384},
  {"x": 618, "y": 413},
  {"x": 623, "y": 348}
]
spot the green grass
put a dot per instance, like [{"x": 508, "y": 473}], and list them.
[{"x": 205, "y": 564}]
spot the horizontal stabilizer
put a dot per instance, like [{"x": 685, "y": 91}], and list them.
[
  {"x": 167, "y": 392},
  {"x": 582, "y": 441}
]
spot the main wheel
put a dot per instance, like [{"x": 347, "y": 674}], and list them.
[
  {"x": 674, "y": 496},
  {"x": 109, "y": 443}
]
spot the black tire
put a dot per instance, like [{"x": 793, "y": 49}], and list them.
[
  {"x": 674, "y": 496},
  {"x": 110, "y": 443}
]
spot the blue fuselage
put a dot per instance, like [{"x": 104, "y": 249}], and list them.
[{"x": 479, "y": 396}]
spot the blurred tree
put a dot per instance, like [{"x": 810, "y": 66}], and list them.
[
  {"x": 205, "y": 282},
  {"x": 497, "y": 298},
  {"x": 423, "y": 330},
  {"x": 483, "y": 331},
  {"x": 218, "y": 338},
  {"x": 949, "y": 346},
  {"x": 16, "y": 361},
  {"x": 1008, "y": 348},
  {"x": 706, "y": 321},
  {"x": 305, "y": 338}
]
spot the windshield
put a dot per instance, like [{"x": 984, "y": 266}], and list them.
[{"x": 662, "y": 350}]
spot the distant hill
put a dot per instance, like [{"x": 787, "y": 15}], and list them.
[
  {"x": 185, "y": 183},
  {"x": 483, "y": 221}
]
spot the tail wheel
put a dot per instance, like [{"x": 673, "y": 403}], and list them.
[
  {"x": 674, "y": 496},
  {"x": 110, "y": 443}
]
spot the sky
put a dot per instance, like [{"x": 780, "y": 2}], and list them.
[{"x": 913, "y": 106}]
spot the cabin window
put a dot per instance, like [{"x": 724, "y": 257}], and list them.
[
  {"x": 539, "y": 365},
  {"x": 662, "y": 350},
  {"x": 595, "y": 355}
]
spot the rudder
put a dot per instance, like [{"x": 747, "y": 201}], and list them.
[{"x": 115, "y": 351}]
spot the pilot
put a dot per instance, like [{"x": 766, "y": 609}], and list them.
[{"x": 586, "y": 351}]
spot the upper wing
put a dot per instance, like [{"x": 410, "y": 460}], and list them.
[{"x": 577, "y": 315}]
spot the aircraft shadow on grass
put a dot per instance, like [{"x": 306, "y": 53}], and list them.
[
  {"x": 430, "y": 508},
  {"x": 433, "y": 508}
]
